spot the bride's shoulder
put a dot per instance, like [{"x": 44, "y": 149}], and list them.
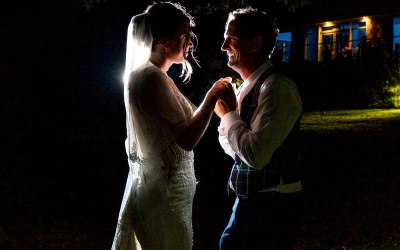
[
  {"x": 147, "y": 69},
  {"x": 148, "y": 76}
]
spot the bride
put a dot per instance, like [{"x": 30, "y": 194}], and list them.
[{"x": 163, "y": 127}]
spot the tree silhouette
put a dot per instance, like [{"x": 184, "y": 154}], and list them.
[{"x": 208, "y": 6}]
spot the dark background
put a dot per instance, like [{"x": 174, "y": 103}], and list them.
[
  {"x": 63, "y": 163},
  {"x": 62, "y": 131}
]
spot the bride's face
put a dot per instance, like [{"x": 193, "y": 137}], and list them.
[{"x": 179, "y": 46}]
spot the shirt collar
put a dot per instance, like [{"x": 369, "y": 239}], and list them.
[
  {"x": 250, "y": 81},
  {"x": 257, "y": 73},
  {"x": 248, "y": 84}
]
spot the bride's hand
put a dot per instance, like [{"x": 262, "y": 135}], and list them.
[{"x": 220, "y": 87}]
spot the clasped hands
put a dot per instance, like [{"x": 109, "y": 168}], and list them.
[{"x": 227, "y": 101}]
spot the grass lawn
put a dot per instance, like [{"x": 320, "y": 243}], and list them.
[
  {"x": 64, "y": 191},
  {"x": 358, "y": 121},
  {"x": 351, "y": 179}
]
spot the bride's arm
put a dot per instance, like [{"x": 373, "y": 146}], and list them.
[{"x": 192, "y": 133}]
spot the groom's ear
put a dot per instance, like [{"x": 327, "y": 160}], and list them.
[{"x": 258, "y": 43}]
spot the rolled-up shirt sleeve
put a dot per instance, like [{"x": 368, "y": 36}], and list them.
[{"x": 226, "y": 122}]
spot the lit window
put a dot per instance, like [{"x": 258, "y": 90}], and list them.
[
  {"x": 358, "y": 32},
  {"x": 396, "y": 30},
  {"x": 312, "y": 44},
  {"x": 283, "y": 45}
]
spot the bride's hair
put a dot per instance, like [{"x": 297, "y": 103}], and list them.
[
  {"x": 159, "y": 22},
  {"x": 166, "y": 20}
]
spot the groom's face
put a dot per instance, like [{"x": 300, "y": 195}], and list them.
[{"x": 236, "y": 47}]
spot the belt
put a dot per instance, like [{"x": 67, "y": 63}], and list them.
[
  {"x": 284, "y": 188},
  {"x": 281, "y": 189}
]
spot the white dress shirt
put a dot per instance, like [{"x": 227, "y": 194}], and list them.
[{"x": 279, "y": 107}]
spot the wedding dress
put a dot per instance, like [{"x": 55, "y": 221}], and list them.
[{"x": 156, "y": 211}]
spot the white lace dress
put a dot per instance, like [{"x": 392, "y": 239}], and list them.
[{"x": 156, "y": 210}]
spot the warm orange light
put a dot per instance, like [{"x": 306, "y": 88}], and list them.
[{"x": 328, "y": 24}]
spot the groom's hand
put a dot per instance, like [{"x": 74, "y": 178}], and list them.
[{"x": 226, "y": 103}]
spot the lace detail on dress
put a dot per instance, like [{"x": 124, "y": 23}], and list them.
[
  {"x": 125, "y": 237},
  {"x": 183, "y": 100},
  {"x": 163, "y": 218},
  {"x": 155, "y": 209}
]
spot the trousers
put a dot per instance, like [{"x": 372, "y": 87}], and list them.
[{"x": 269, "y": 220}]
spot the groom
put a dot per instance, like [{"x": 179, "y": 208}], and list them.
[{"x": 261, "y": 135}]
